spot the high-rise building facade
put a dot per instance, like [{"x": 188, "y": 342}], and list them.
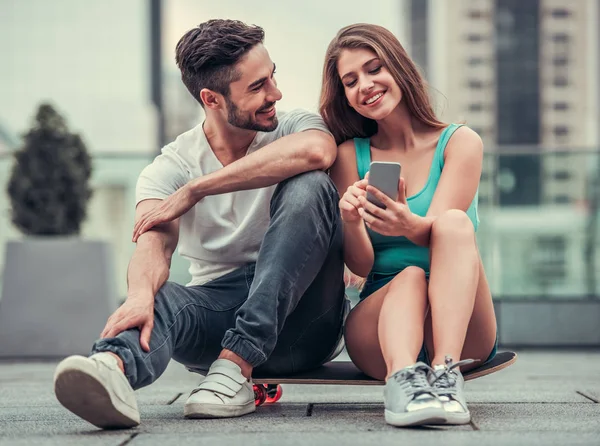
[
  {"x": 525, "y": 75},
  {"x": 522, "y": 74}
]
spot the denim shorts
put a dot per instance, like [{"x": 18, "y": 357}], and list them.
[{"x": 376, "y": 281}]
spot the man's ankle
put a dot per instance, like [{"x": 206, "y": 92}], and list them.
[
  {"x": 243, "y": 364},
  {"x": 119, "y": 360}
]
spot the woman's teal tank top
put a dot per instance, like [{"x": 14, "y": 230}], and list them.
[{"x": 393, "y": 254}]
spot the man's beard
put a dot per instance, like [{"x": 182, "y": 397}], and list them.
[{"x": 246, "y": 121}]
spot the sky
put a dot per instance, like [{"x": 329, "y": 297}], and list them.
[{"x": 91, "y": 58}]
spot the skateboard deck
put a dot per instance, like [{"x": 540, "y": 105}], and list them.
[{"x": 346, "y": 373}]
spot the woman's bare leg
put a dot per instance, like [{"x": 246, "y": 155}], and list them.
[
  {"x": 385, "y": 332},
  {"x": 462, "y": 319}
]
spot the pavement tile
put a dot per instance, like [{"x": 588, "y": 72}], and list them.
[
  {"x": 546, "y": 398},
  {"x": 93, "y": 439},
  {"x": 376, "y": 437},
  {"x": 582, "y": 418}
]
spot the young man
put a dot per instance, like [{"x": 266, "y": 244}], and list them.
[{"x": 245, "y": 196}]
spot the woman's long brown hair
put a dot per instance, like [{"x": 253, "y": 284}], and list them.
[{"x": 343, "y": 121}]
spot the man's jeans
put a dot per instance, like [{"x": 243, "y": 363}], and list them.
[{"x": 282, "y": 314}]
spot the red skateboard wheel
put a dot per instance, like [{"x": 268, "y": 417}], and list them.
[
  {"x": 260, "y": 394},
  {"x": 274, "y": 392}
]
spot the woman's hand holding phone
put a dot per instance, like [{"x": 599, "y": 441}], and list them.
[
  {"x": 350, "y": 202},
  {"x": 395, "y": 220}
]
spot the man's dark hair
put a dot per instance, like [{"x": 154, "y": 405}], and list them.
[{"x": 207, "y": 54}]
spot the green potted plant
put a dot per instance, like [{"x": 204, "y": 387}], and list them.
[
  {"x": 57, "y": 288},
  {"x": 49, "y": 185}
]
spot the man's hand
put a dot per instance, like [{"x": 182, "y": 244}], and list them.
[
  {"x": 136, "y": 312},
  {"x": 169, "y": 209}
]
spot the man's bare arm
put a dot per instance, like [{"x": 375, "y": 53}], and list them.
[
  {"x": 149, "y": 266},
  {"x": 284, "y": 158},
  {"x": 147, "y": 273},
  {"x": 273, "y": 163}
]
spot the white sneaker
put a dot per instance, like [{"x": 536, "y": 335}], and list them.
[
  {"x": 409, "y": 399},
  {"x": 224, "y": 393},
  {"x": 96, "y": 390},
  {"x": 449, "y": 384}
]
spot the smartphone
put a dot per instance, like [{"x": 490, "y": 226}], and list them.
[{"x": 384, "y": 176}]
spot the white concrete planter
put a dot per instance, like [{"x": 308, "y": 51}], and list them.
[{"x": 56, "y": 297}]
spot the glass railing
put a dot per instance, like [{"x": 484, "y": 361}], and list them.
[{"x": 538, "y": 238}]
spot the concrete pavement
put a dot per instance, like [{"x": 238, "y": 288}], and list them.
[{"x": 547, "y": 397}]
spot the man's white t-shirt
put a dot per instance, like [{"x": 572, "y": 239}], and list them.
[{"x": 222, "y": 232}]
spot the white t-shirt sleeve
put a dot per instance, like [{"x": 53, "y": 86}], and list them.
[
  {"x": 162, "y": 177},
  {"x": 300, "y": 120}
]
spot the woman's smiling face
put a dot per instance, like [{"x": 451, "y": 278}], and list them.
[{"x": 369, "y": 87}]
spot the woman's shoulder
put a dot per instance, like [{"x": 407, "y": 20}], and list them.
[
  {"x": 346, "y": 155},
  {"x": 464, "y": 140},
  {"x": 464, "y": 133},
  {"x": 347, "y": 145}
]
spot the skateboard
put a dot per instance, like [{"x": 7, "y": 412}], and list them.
[{"x": 267, "y": 388}]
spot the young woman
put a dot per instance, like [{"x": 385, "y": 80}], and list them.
[{"x": 426, "y": 302}]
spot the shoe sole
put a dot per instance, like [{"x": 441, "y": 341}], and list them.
[
  {"x": 417, "y": 418},
  {"x": 217, "y": 410},
  {"x": 78, "y": 389},
  {"x": 458, "y": 418}
]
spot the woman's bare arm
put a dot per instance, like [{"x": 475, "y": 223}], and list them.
[{"x": 358, "y": 250}]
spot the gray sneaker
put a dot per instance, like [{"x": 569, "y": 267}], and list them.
[
  {"x": 410, "y": 400},
  {"x": 449, "y": 384}
]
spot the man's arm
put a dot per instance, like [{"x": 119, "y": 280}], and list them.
[
  {"x": 284, "y": 158},
  {"x": 148, "y": 271},
  {"x": 149, "y": 266}
]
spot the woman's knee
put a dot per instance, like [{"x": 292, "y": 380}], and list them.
[
  {"x": 453, "y": 223},
  {"x": 411, "y": 275}
]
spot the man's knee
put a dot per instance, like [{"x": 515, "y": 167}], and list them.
[{"x": 308, "y": 187}]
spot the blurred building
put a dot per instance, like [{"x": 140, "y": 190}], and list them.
[
  {"x": 182, "y": 111},
  {"x": 90, "y": 59},
  {"x": 525, "y": 75},
  {"x": 521, "y": 73}
]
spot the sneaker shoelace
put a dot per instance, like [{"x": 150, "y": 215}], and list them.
[
  {"x": 445, "y": 380},
  {"x": 414, "y": 380}
]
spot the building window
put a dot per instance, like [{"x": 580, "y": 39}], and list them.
[
  {"x": 474, "y": 61},
  {"x": 476, "y": 84},
  {"x": 562, "y": 175},
  {"x": 475, "y": 38},
  {"x": 562, "y": 199},
  {"x": 477, "y": 14},
  {"x": 560, "y": 130},
  {"x": 560, "y": 81},
  {"x": 560, "y": 61},
  {"x": 560, "y": 38},
  {"x": 560, "y": 106},
  {"x": 560, "y": 13},
  {"x": 476, "y": 107}
]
